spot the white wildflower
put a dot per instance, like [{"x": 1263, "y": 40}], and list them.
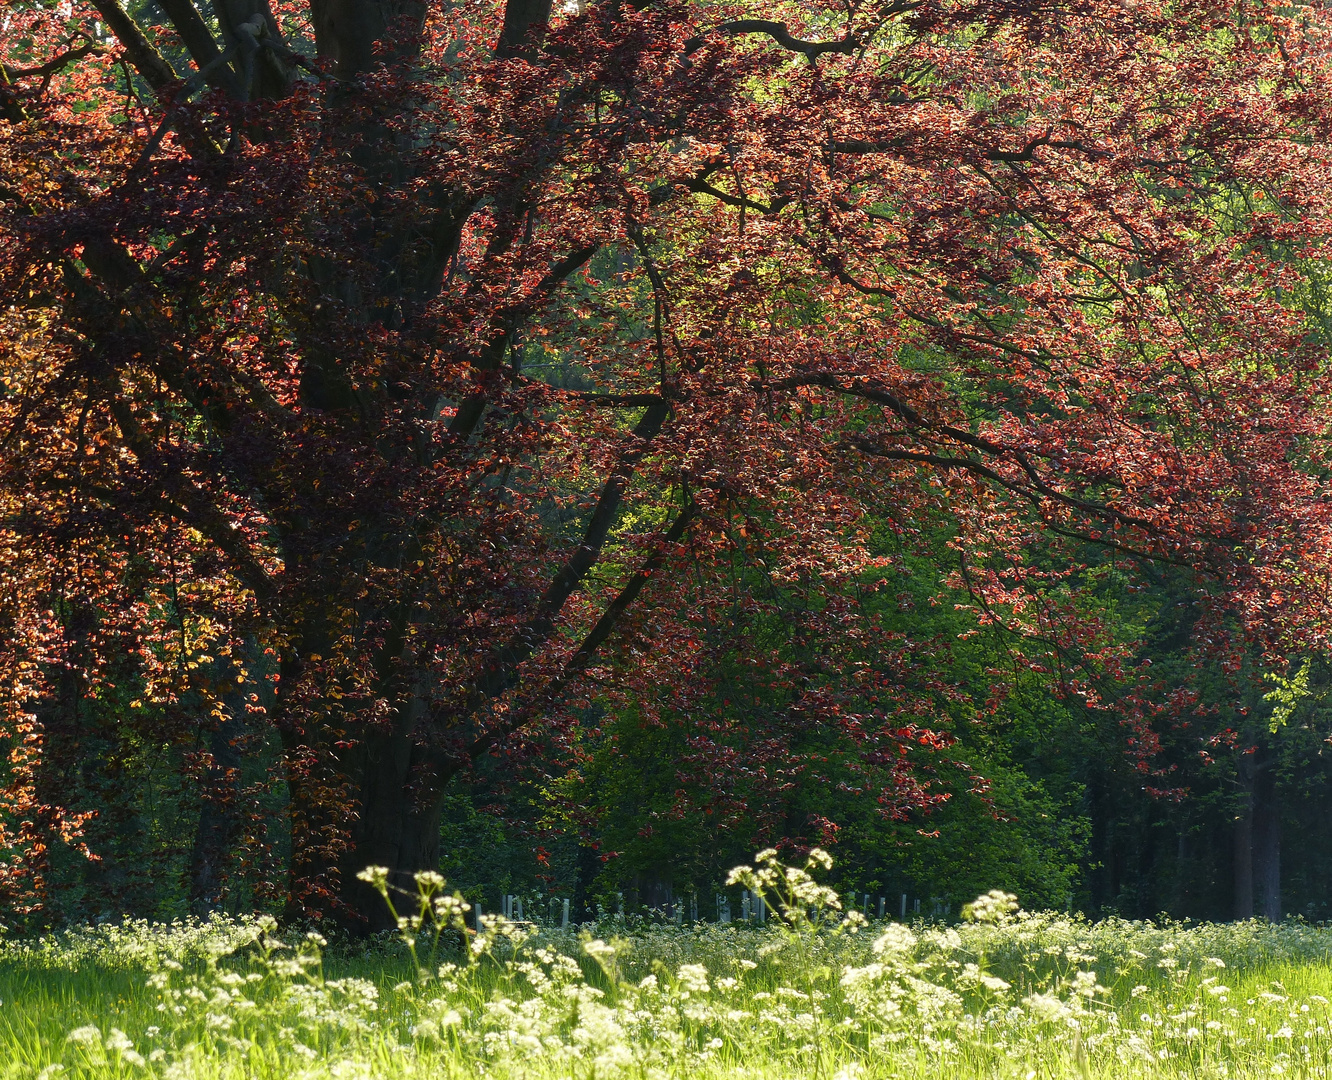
[
  {"x": 375, "y": 876},
  {"x": 1048, "y": 1007},
  {"x": 85, "y": 1036}
]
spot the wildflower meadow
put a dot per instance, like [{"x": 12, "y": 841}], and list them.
[{"x": 815, "y": 992}]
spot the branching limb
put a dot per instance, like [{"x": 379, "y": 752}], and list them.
[
  {"x": 1037, "y": 491},
  {"x": 192, "y": 503},
  {"x": 1038, "y": 485},
  {"x": 664, "y": 192},
  {"x": 614, "y": 401},
  {"x": 779, "y": 33},
  {"x": 501, "y": 668},
  {"x": 152, "y": 66},
  {"x": 53, "y": 65},
  {"x": 147, "y": 61},
  {"x": 471, "y": 409},
  {"x": 203, "y": 48},
  {"x": 1028, "y": 151},
  {"x": 590, "y": 645},
  {"x": 10, "y": 107},
  {"x": 812, "y": 50}
]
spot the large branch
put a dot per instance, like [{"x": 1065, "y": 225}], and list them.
[
  {"x": 192, "y": 503},
  {"x": 471, "y": 409},
  {"x": 351, "y": 34},
  {"x": 812, "y": 50},
  {"x": 198, "y": 39},
  {"x": 502, "y": 667},
  {"x": 915, "y": 422},
  {"x": 778, "y": 32},
  {"x": 520, "y": 16},
  {"x": 53, "y": 65},
  {"x": 156, "y": 72},
  {"x": 147, "y": 61},
  {"x": 189, "y": 501},
  {"x": 583, "y": 655}
]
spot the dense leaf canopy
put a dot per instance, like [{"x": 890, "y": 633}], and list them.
[{"x": 409, "y": 397}]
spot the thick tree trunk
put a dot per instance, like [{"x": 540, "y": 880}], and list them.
[
  {"x": 219, "y": 815},
  {"x": 347, "y": 32},
  {"x": 361, "y": 798},
  {"x": 1267, "y": 842},
  {"x": 1243, "y": 850},
  {"x": 519, "y": 18},
  {"x": 398, "y": 822}
]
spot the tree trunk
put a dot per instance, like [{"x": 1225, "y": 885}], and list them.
[
  {"x": 519, "y": 17},
  {"x": 1243, "y": 848},
  {"x": 1267, "y": 842},
  {"x": 219, "y": 815},
  {"x": 361, "y": 797},
  {"x": 347, "y": 32},
  {"x": 397, "y": 824}
]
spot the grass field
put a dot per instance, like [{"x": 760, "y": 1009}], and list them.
[{"x": 1006, "y": 994}]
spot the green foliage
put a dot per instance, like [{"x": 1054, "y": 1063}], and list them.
[
  {"x": 1010, "y": 788},
  {"x": 1287, "y": 695}
]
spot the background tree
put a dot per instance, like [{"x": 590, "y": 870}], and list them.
[{"x": 407, "y": 402}]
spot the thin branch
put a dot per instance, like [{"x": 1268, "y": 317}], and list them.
[
  {"x": 614, "y": 401},
  {"x": 54, "y": 64},
  {"x": 193, "y": 83},
  {"x": 501, "y": 667},
  {"x": 1035, "y": 492},
  {"x": 660, "y": 309},
  {"x": 192, "y": 503},
  {"x": 976, "y": 468},
  {"x": 913, "y": 419}
]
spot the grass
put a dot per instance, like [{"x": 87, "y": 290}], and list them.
[{"x": 1007, "y": 994}]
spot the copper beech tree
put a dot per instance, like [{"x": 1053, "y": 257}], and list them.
[{"x": 397, "y": 378}]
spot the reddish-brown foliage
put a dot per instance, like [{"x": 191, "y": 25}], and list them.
[{"x": 377, "y": 396}]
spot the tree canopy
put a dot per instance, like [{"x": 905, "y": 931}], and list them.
[{"x": 391, "y": 390}]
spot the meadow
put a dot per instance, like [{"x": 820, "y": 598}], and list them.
[{"x": 814, "y": 993}]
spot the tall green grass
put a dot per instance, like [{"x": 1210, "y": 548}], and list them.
[{"x": 1007, "y": 994}]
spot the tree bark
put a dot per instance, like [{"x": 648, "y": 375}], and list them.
[
  {"x": 397, "y": 825},
  {"x": 1243, "y": 848},
  {"x": 1267, "y": 842},
  {"x": 374, "y": 797},
  {"x": 347, "y": 32},
  {"x": 519, "y": 18}
]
